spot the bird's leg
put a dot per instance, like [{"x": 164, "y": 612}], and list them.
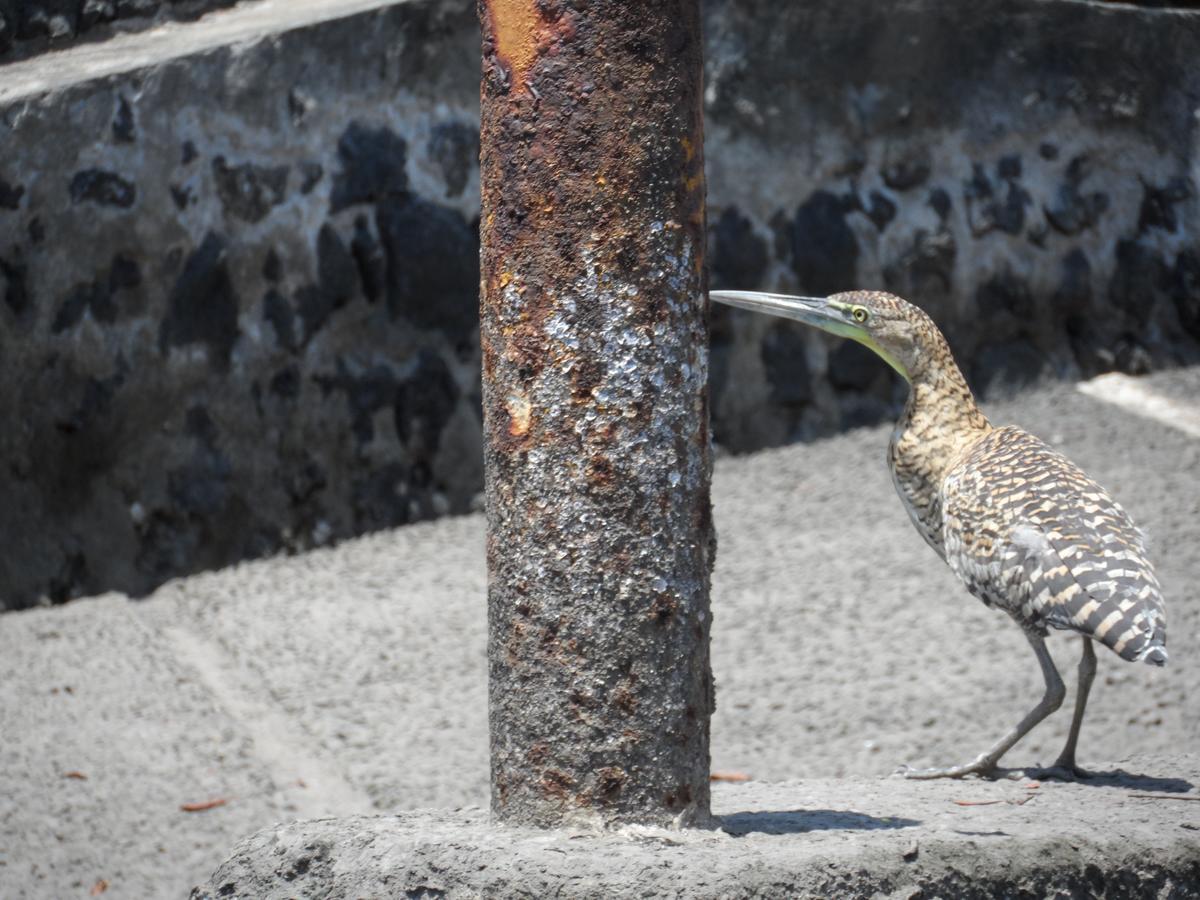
[
  {"x": 1087, "y": 673},
  {"x": 1051, "y": 700}
]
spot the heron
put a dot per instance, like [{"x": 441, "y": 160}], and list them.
[{"x": 1024, "y": 528}]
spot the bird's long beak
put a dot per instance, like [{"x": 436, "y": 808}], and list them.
[
  {"x": 819, "y": 312},
  {"x": 815, "y": 311}
]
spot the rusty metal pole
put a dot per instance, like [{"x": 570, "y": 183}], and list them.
[{"x": 594, "y": 334}]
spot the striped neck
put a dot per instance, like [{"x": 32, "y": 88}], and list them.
[{"x": 941, "y": 418}]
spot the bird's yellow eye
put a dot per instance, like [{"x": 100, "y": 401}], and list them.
[{"x": 860, "y": 314}]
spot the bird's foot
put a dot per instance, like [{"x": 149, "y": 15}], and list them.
[
  {"x": 983, "y": 768},
  {"x": 1062, "y": 770}
]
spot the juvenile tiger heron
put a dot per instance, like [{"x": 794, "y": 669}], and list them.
[{"x": 1023, "y": 527}]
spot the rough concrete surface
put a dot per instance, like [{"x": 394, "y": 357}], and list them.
[
  {"x": 219, "y": 242},
  {"x": 30, "y": 27},
  {"x": 841, "y": 649},
  {"x": 819, "y": 838}
]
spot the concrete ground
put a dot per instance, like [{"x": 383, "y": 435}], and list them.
[{"x": 351, "y": 680}]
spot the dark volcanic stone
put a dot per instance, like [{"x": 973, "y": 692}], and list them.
[
  {"x": 55, "y": 19},
  {"x": 131, "y": 8},
  {"x": 786, "y": 363},
  {"x": 424, "y": 403},
  {"x": 996, "y": 207},
  {"x": 278, "y": 312},
  {"x": 373, "y": 166},
  {"x": 314, "y": 307},
  {"x": 432, "y": 265},
  {"x": 1074, "y": 292},
  {"x": 16, "y": 293},
  {"x": 199, "y": 425},
  {"x": 1072, "y": 210},
  {"x": 300, "y": 104},
  {"x": 1009, "y": 167},
  {"x": 739, "y": 256},
  {"x": 10, "y": 195},
  {"x": 1186, "y": 291},
  {"x": 249, "y": 192},
  {"x": 926, "y": 270},
  {"x": 103, "y": 188},
  {"x": 96, "y": 295},
  {"x": 337, "y": 283},
  {"x": 310, "y": 176},
  {"x": 201, "y": 488},
  {"x": 1130, "y": 356},
  {"x": 852, "y": 367},
  {"x": 907, "y": 170},
  {"x": 124, "y": 130},
  {"x": 381, "y": 498},
  {"x": 166, "y": 546},
  {"x": 368, "y": 256},
  {"x": 366, "y": 392},
  {"x": 272, "y": 269},
  {"x": 1140, "y": 279},
  {"x": 1006, "y": 367},
  {"x": 93, "y": 12},
  {"x": 455, "y": 147},
  {"x": 881, "y": 210},
  {"x": 203, "y": 308},
  {"x": 940, "y": 202},
  {"x": 1158, "y": 204},
  {"x": 336, "y": 270},
  {"x": 1005, "y": 296},
  {"x": 124, "y": 273},
  {"x": 286, "y": 383},
  {"x": 824, "y": 249},
  {"x": 306, "y": 481},
  {"x": 73, "y": 308}
]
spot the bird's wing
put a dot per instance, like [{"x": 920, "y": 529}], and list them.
[{"x": 1028, "y": 531}]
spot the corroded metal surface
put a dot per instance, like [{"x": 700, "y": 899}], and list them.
[{"x": 594, "y": 374}]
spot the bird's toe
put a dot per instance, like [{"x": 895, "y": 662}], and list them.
[{"x": 979, "y": 768}]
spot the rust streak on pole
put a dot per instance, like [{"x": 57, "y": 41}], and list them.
[{"x": 594, "y": 334}]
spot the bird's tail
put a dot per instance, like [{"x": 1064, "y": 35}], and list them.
[{"x": 1134, "y": 631}]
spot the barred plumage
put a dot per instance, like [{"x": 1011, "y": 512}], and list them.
[
  {"x": 1027, "y": 531},
  {"x": 1024, "y": 528}
]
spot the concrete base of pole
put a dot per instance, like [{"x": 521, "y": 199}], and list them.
[{"x": 1116, "y": 835}]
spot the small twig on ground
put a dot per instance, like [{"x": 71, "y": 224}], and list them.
[
  {"x": 1165, "y": 796},
  {"x": 1018, "y": 802},
  {"x": 728, "y": 776},
  {"x": 78, "y": 776},
  {"x": 202, "y": 806}
]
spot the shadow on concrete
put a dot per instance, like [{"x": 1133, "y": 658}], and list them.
[
  {"x": 1116, "y": 778},
  {"x": 799, "y": 820}
]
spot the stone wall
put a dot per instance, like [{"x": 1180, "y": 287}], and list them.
[
  {"x": 29, "y": 27},
  {"x": 238, "y": 303},
  {"x": 238, "y": 289},
  {"x": 1027, "y": 171}
]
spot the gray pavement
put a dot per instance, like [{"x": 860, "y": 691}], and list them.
[{"x": 352, "y": 679}]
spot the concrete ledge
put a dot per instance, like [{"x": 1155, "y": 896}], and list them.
[
  {"x": 1117, "y": 835},
  {"x": 172, "y": 40}
]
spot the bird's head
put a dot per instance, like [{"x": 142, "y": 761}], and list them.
[{"x": 900, "y": 333}]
